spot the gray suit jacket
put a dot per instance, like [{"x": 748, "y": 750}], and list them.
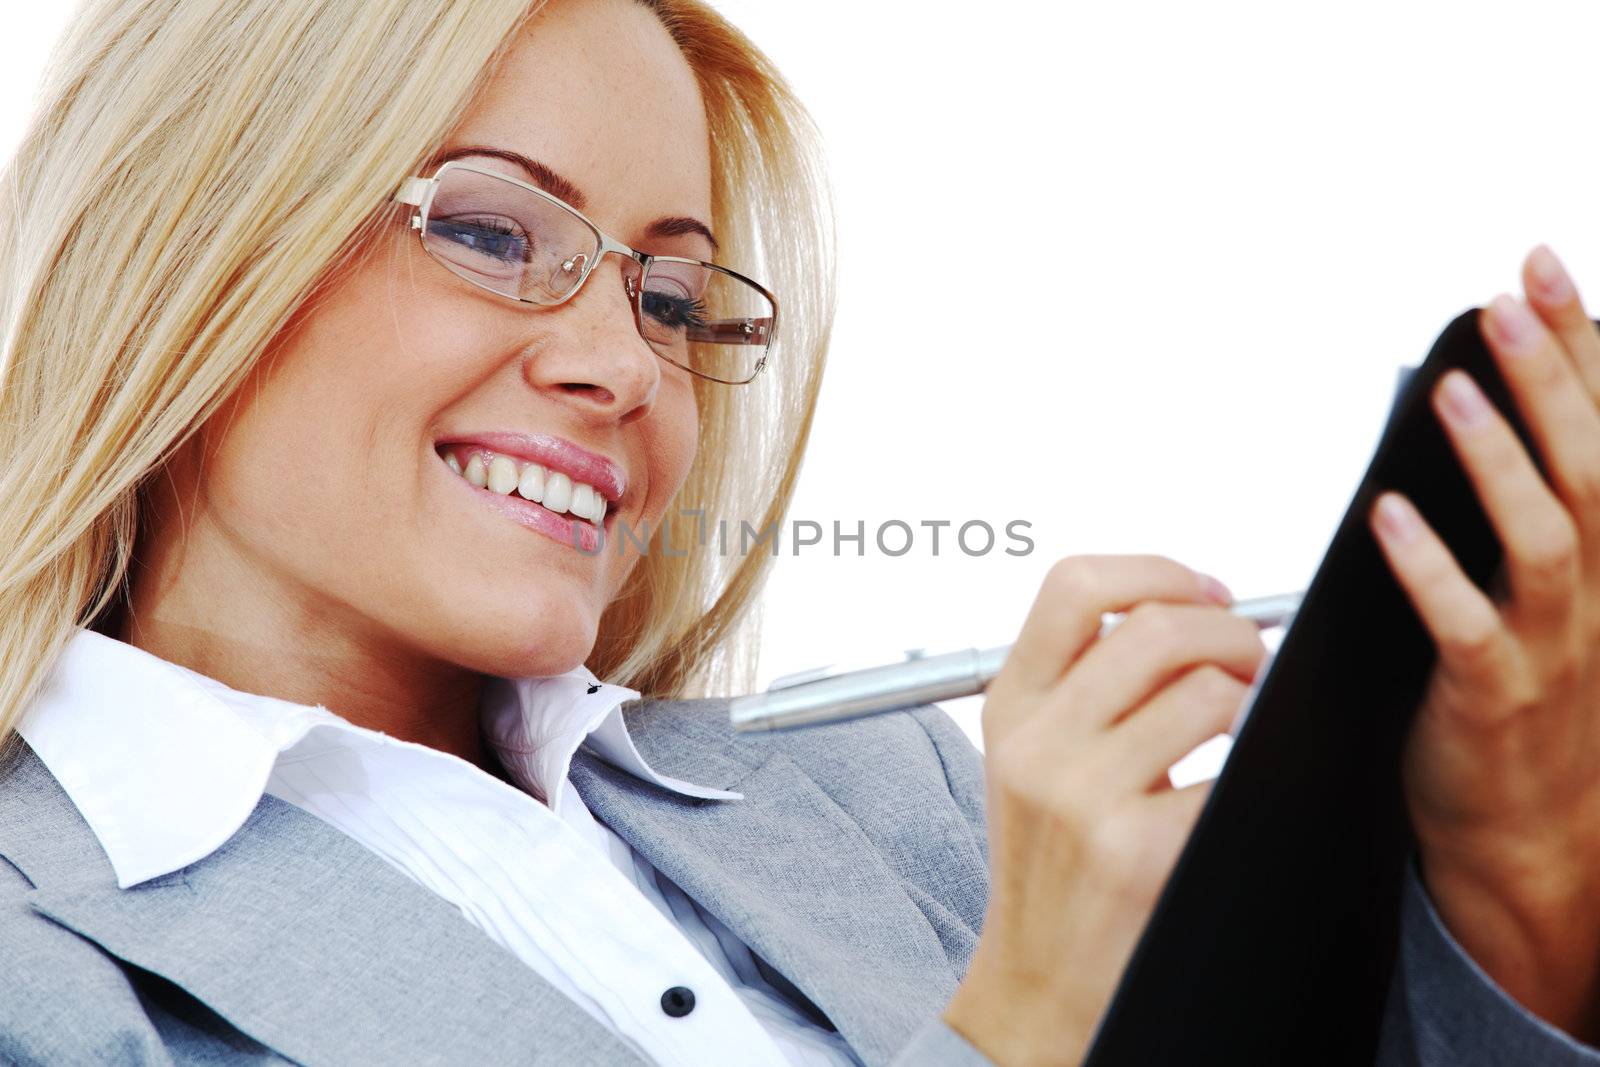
[{"x": 855, "y": 867}]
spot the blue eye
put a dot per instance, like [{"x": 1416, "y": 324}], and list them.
[{"x": 488, "y": 235}]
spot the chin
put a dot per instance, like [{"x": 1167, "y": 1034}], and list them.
[{"x": 534, "y": 637}]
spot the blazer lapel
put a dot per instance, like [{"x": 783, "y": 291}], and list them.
[
  {"x": 316, "y": 947},
  {"x": 306, "y": 941},
  {"x": 785, "y": 868}
]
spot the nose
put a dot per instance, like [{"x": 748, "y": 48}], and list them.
[{"x": 590, "y": 351}]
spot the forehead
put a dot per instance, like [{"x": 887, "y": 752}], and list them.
[{"x": 598, "y": 91}]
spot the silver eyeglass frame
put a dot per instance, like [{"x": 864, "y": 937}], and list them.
[{"x": 418, "y": 192}]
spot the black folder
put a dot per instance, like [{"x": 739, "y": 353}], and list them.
[{"x": 1275, "y": 938}]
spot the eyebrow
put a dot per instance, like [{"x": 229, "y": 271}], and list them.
[{"x": 556, "y": 185}]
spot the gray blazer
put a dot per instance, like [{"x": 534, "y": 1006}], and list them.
[{"x": 855, "y": 867}]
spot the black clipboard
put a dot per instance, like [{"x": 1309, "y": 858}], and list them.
[{"x": 1275, "y": 938}]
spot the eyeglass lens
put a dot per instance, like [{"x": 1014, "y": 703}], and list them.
[{"x": 500, "y": 236}]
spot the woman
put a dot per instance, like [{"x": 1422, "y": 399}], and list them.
[{"x": 332, "y": 379}]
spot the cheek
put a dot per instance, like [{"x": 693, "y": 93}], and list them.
[
  {"x": 673, "y": 445},
  {"x": 290, "y": 449},
  {"x": 319, "y": 452}
]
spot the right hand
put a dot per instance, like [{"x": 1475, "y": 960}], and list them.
[{"x": 1084, "y": 825}]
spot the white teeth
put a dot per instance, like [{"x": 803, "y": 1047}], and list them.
[
  {"x": 557, "y": 492},
  {"x": 502, "y": 475},
  {"x": 531, "y": 481},
  {"x": 531, "y": 485},
  {"x": 580, "y": 505},
  {"x": 588, "y": 503}
]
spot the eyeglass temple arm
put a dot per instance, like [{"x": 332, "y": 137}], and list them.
[
  {"x": 411, "y": 191},
  {"x": 755, "y": 331}
]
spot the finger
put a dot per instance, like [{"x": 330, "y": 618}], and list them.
[
  {"x": 1148, "y": 649},
  {"x": 1139, "y": 749},
  {"x": 1557, "y": 406},
  {"x": 1077, "y": 591},
  {"x": 1472, "y": 641},
  {"x": 1540, "y": 540},
  {"x": 1554, "y": 296}
]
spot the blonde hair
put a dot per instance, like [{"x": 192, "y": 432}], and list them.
[{"x": 195, "y": 168}]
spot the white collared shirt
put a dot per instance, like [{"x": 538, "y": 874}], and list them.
[{"x": 165, "y": 764}]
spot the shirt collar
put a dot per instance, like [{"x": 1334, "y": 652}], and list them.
[{"x": 165, "y": 763}]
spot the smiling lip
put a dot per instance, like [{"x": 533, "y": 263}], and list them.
[
  {"x": 578, "y": 533},
  {"x": 553, "y": 453}
]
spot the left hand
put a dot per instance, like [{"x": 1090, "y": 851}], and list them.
[{"x": 1502, "y": 767}]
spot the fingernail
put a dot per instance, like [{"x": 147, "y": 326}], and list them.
[
  {"x": 1463, "y": 401},
  {"x": 1396, "y": 518},
  {"x": 1215, "y": 590},
  {"x": 1514, "y": 324},
  {"x": 1550, "y": 276}
]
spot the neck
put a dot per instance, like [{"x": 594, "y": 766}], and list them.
[{"x": 260, "y": 641}]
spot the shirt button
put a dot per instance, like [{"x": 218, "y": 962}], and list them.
[{"x": 678, "y": 1001}]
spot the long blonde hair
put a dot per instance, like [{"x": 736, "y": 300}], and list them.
[{"x": 194, "y": 169}]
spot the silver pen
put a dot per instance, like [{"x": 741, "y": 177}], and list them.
[{"x": 821, "y": 696}]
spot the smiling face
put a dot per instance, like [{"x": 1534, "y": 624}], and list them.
[{"x": 325, "y": 515}]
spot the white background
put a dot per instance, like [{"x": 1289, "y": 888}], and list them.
[
  {"x": 1141, "y": 274},
  {"x": 1211, "y": 235}
]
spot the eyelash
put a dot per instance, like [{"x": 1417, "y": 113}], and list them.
[
  {"x": 691, "y": 312},
  {"x": 488, "y": 225}
]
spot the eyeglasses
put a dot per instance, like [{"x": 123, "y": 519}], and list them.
[{"x": 518, "y": 241}]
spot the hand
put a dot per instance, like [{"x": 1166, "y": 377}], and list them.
[
  {"x": 1502, "y": 767},
  {"x": 1084, "y": 825}
]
